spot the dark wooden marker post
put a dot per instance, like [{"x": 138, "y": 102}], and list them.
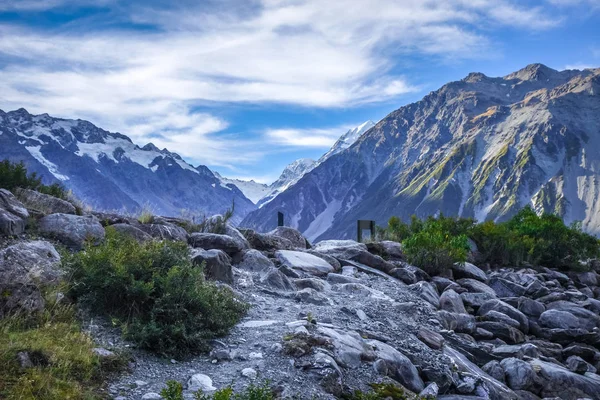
[
  {"x": 279, "y": 218},
  {"x": 362, "y": 224}
]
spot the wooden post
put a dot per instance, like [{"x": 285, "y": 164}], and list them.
[
  {"x": 362, "y": 224},
  {"x": 279, "y": 218}
]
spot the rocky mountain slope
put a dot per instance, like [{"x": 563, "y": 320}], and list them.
[
  {"x": 347, "y": 139},
  {"x": 481, "y": 147},
  {"x": 332, "y": 318},
  {"x": 108, "y": 172},
  {"x": 254, "y": 191},
  {"x": 290, "y": 175}
]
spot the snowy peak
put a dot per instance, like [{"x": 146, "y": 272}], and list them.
[
  {"x": 348, "y": 139},
  {"x": 254, "y": 191},
  {"x": 291, "y": 174}
]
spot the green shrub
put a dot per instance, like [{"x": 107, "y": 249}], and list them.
[
  {"x": 14, "y": 176},
  {"x": 252, "y": 392},
  {"x": 435, "y": 250},
  {"x": 161, "y": 300},
  {"x": 173, "y": 391},
  {"x": 383, "y": 391}
]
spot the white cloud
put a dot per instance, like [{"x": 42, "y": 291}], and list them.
[
  {"x": 309, "y": 53},
  {"x": 311, "y": 137},
  {"x": 580, "y": 66}
]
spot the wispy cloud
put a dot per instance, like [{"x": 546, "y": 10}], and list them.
[
  {"x": 312, "y": 137},
  {"x": 580, "y": 66}
]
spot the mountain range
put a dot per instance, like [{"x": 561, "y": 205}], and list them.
[{"x": 482, "y": 147}]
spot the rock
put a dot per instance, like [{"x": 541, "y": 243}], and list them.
[
  {"x": 588, "y": 320},
  {"x": 427, "y": 292},
  {"x": 499, "y": 317},
  {"x": 495, "y": 370},
  {"x": 72, "y": 230},
  {"x": 475, "y": 300},
  {"x": 304, "y": 262},
  {"x": 339, "y": 278},
  {"x": 586, "y": 278},
  {"x": 311, "y": 296},
  {"x": 403, "y": 370},
  {"x": 462, "y": 323},
  {"x": 530, "y": 307},
  {"x": 200, "y": 382},
  {"x": 130, "y": 230},
  {"x": 291, "y": 234},
  {"x": 104, "y": 353},
  {"x": 503, "y": 331},
  {"x": 519, "y": 374},
  {"x": 275, "y": 279},
  {"x": 44, "y": 203},
  {"x": 152, "y": 396},
  {"x": 557, "y": 381},
  {"x": 266, "y": 242},
  {"x": 505, "y": 288},
  {"x": 10, "y": 224},
  {"x": 361, "y": 315},
  {"x": 236, "y": 235},
  {"x": 24, "y": 360},
  {"x": 216, "y": 241},
  {"x": 221, "y": 355},
  {"x": 475, "y": 286},
  {"x": 331, "y": 260},
  {"x": 451, "y": 301},
  {"x": 354, "y": 251},
  {"x": 517, "y": 351},
  {"x": 559, "y": 319},
  {"x": 432, "y": 339},
  {"x": 349, "y": 347},
  {"x": 217, "y": 264},
  {"x": 578, "y": 365},
  {"x": 442, "y": 283},
  {"x": 587, "y": 352},
  {"x": 254, "y": 260},
  {"x": 468, "y": 270},
  {"x": 430, "y": 391},
  {"x": 313, "y": 283},
  {"x": 10, "y": 203},
  {"x": 249, "y": 373},
  {"x": 507, "y": 309},
  {"x": 26, "y": 267},
  {"x": 404, "y": 275}
]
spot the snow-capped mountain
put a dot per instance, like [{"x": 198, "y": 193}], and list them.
[
  {"x": 109, "y": 172},
  {"x": 254, "y": 191},
  {"x": 347, "y": 139},
  {"x": 290, "y": 175},
  {"x": 480, "y": 147}
]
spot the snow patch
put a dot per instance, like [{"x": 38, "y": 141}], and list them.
[
  {"x": 37, "y": 154},
  {"x": 323, "y": 221}
]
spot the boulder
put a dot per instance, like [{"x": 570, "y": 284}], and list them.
[
  {"x": 331, "y": 260},
  {"x": 216, "y": 241},
  {"x": 432, "y": 339},
  {"x": 507, "y": 309},
  {"x": 519, "y": 375},
  {"x": 468, "y": 270},
  {"x": 587, "y": 352},
  {"x": 200, "y": 382},
  {"x": 586, "y": 278},
  {"x": 291, "y": 234},
  {"x": 505, "y": 288},
  {"x": 309, "y": 295},
  {"x": 402, "y": 369},
  {"x": 217, "y": 264},
  {"x": 72, "y": 230},
  {"x": 304, "y": 262},
  {"x": 275, "y": 279},
  {"x": 339, "y": 278},
  {"x": 517, "y": 351},
  {"x": 587, "y": 319},
  {"x": 557, "y": 319},
  {"x": 44, "y": 203},
  {"x": 503, "y": 331},
  {"x": 165, "y": 231},
  {"x": 559, "y": 382},
  {"x": 579, "y": 365},
  {"x": 10, "y": 224},
  {"x": 529, "y": 307},
  {"x": 10, "y": 203},
  {"x": 499, "y": 317},
  {"x": 461, "y": 323},
  {"x": 130, "y": 230},
  {"x": 349, "y": 348},
  {"x": 313, "y": 283},
  {"x": 255, "y": 261},
  {"x": 495, "y": 370},
  {"x": 427, "y": 291},
  {"x": 353, "y": 251},
  {"x": 404, "y": 274},
  {"x": 451, "y": 301},
  {"x": 236, "y": 235},
  {"x": 475, "y": 300},
  {"x": 25, "y": 268},
  {"x": 265, "y": 241},
  {"x": 475, "y": 286}
]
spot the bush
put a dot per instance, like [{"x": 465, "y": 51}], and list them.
[
  {"x": 435, "y": 250},
  {"x": 161, "y": 300},
  {"x": 14, "y": 176}
]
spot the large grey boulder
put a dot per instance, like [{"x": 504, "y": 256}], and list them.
[
  {"x": 452, "y": 302},
  {"x": 331, "y": 260},
  {"x": 130, "y": 230},
  {"x": 518, "y": 373},
  {"x": 10, "y": 224},
  {"x": 165, "y": 231},
  {"x": 505, "y": 308},
  {"x": 25, "y": 268},
  {"x": 265, "y": 241},
  {"x": 11, "y": 204},
  {"x": 587, "y": 319},
  {"x": 399, "y": 365},
  {"x": 476, "y": 300},
  {"x": 461, "y": 323},
  {"x": 468, "y": 270},
  {"x": 559, "y": 319},
  {"x": 291, "y": 234},
  {"x": 475, "y": 286},
  {"x": 217, "y": 264},
  {"x": 254, "y": 261},
  {"x": 353, "y": 251},
  {"x": 531, "y": 308},
  {"x": 236, "y": 235},
  {"x": 559, "y": 382},
  {"x": 44, "y": 203},
  {"x": 72, "y": 230},
  {"x": 305, "y": 262},
  {"x": 427, "y": 291},
  {"x": 503, "y": 331},
  {"x": 275, "y": 279},
  {"x": 217, "y": 241}
]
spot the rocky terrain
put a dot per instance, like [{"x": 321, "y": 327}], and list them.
[
  {"x": 482, "y": 147},
  {"x": 334, "y": 316}
]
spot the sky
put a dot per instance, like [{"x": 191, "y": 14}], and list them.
[{"x": 247, "y": 86}]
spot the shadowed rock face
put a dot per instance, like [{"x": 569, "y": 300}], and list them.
[
  {"x": 108, "y": 172},
  {"x": 481, "y": 147}
]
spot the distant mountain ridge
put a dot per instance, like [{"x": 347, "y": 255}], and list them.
[
  {"x": 480, "y": 147},
  {"x": 108, "y": 172}
]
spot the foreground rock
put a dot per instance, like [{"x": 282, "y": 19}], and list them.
[
  {"x": 72, "y": 230},
  {"x": 304, "y": 262},
  {"x": 44, "y": 203}
]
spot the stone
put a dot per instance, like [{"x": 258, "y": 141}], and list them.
[
  {"x": 475, "y": 300},
  {"x": 265, "y": 241},
  {"x": 130, "y": 230},
  {"x": 337, "y": 266},
  {"x": 499, "y": 317},
  {"x": 72, "y": 230},
  {"x": 403, "y": 369},
  {"x": 462, "y": 323},
  {"x": 304, "y": 262},
  {"x": 221, "y": 355},
  {"x": 24, "y": 268},
  {"x": 103, "y": 353},
  {"x": 217, "y": 264},
  {"x": 505, "y": 288},
  {"x": 578, "y": 365},
  {"x": 24, "y": 360},
  {"x": 44, "y": 203},
  {"x": 353, "y": 251},
  {"x": 255, "y": 261},
  {"x": 432, "y": 339},
  {"x": 10, "y": 224},
  {"x": 530, "y": 307},
  {"x": 495, "y": 370},
  {"x": 291, "y": 234},
  {"x": 209, "y": 241},
  {"x": 430, "y": 391},
  {"x": 517, "y": 351},
  {"x": 586, "y": 278},
  {"x": 152, "y": 396},
  {"x": 507, "y": 309},
  {"x": 249, "y": 373},
  {"x": 200, "y": 382},
  {"x": 559, "y": 319},
  {"x": 468, "y": 270},
  {"x": 427, "y": 291},
  {"x": 557, "y": 381},
  {"x": 311, "y": 296},
  {"x": 503, "y": 331},
  {"x": 587, "y": 352},
  {"x": 404, "y": 275},
  {"x": 11, "y": 204},
  {"x": 339, "y": 278},
  {"x": 275, "y": 279},
  {"x": 475, "y": 286},
  {"x": 518, "y": 373},
  {"x": 452, "y": 302},
  {"x": 313, "y": 283}
]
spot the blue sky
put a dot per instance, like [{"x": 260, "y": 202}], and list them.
[{"x": 246, "y": 87}]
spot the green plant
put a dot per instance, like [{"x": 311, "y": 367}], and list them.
[
  {"x": 173, "y": 391},
  {"x": 252, "y": 392},
  {"x": 14, "y": 176},
  {"x": 162, "y": 301},
  {"x": 146, "y": 216},
  {"x": 382, "y": 391},
  {"x": 215, "y": 224}
]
